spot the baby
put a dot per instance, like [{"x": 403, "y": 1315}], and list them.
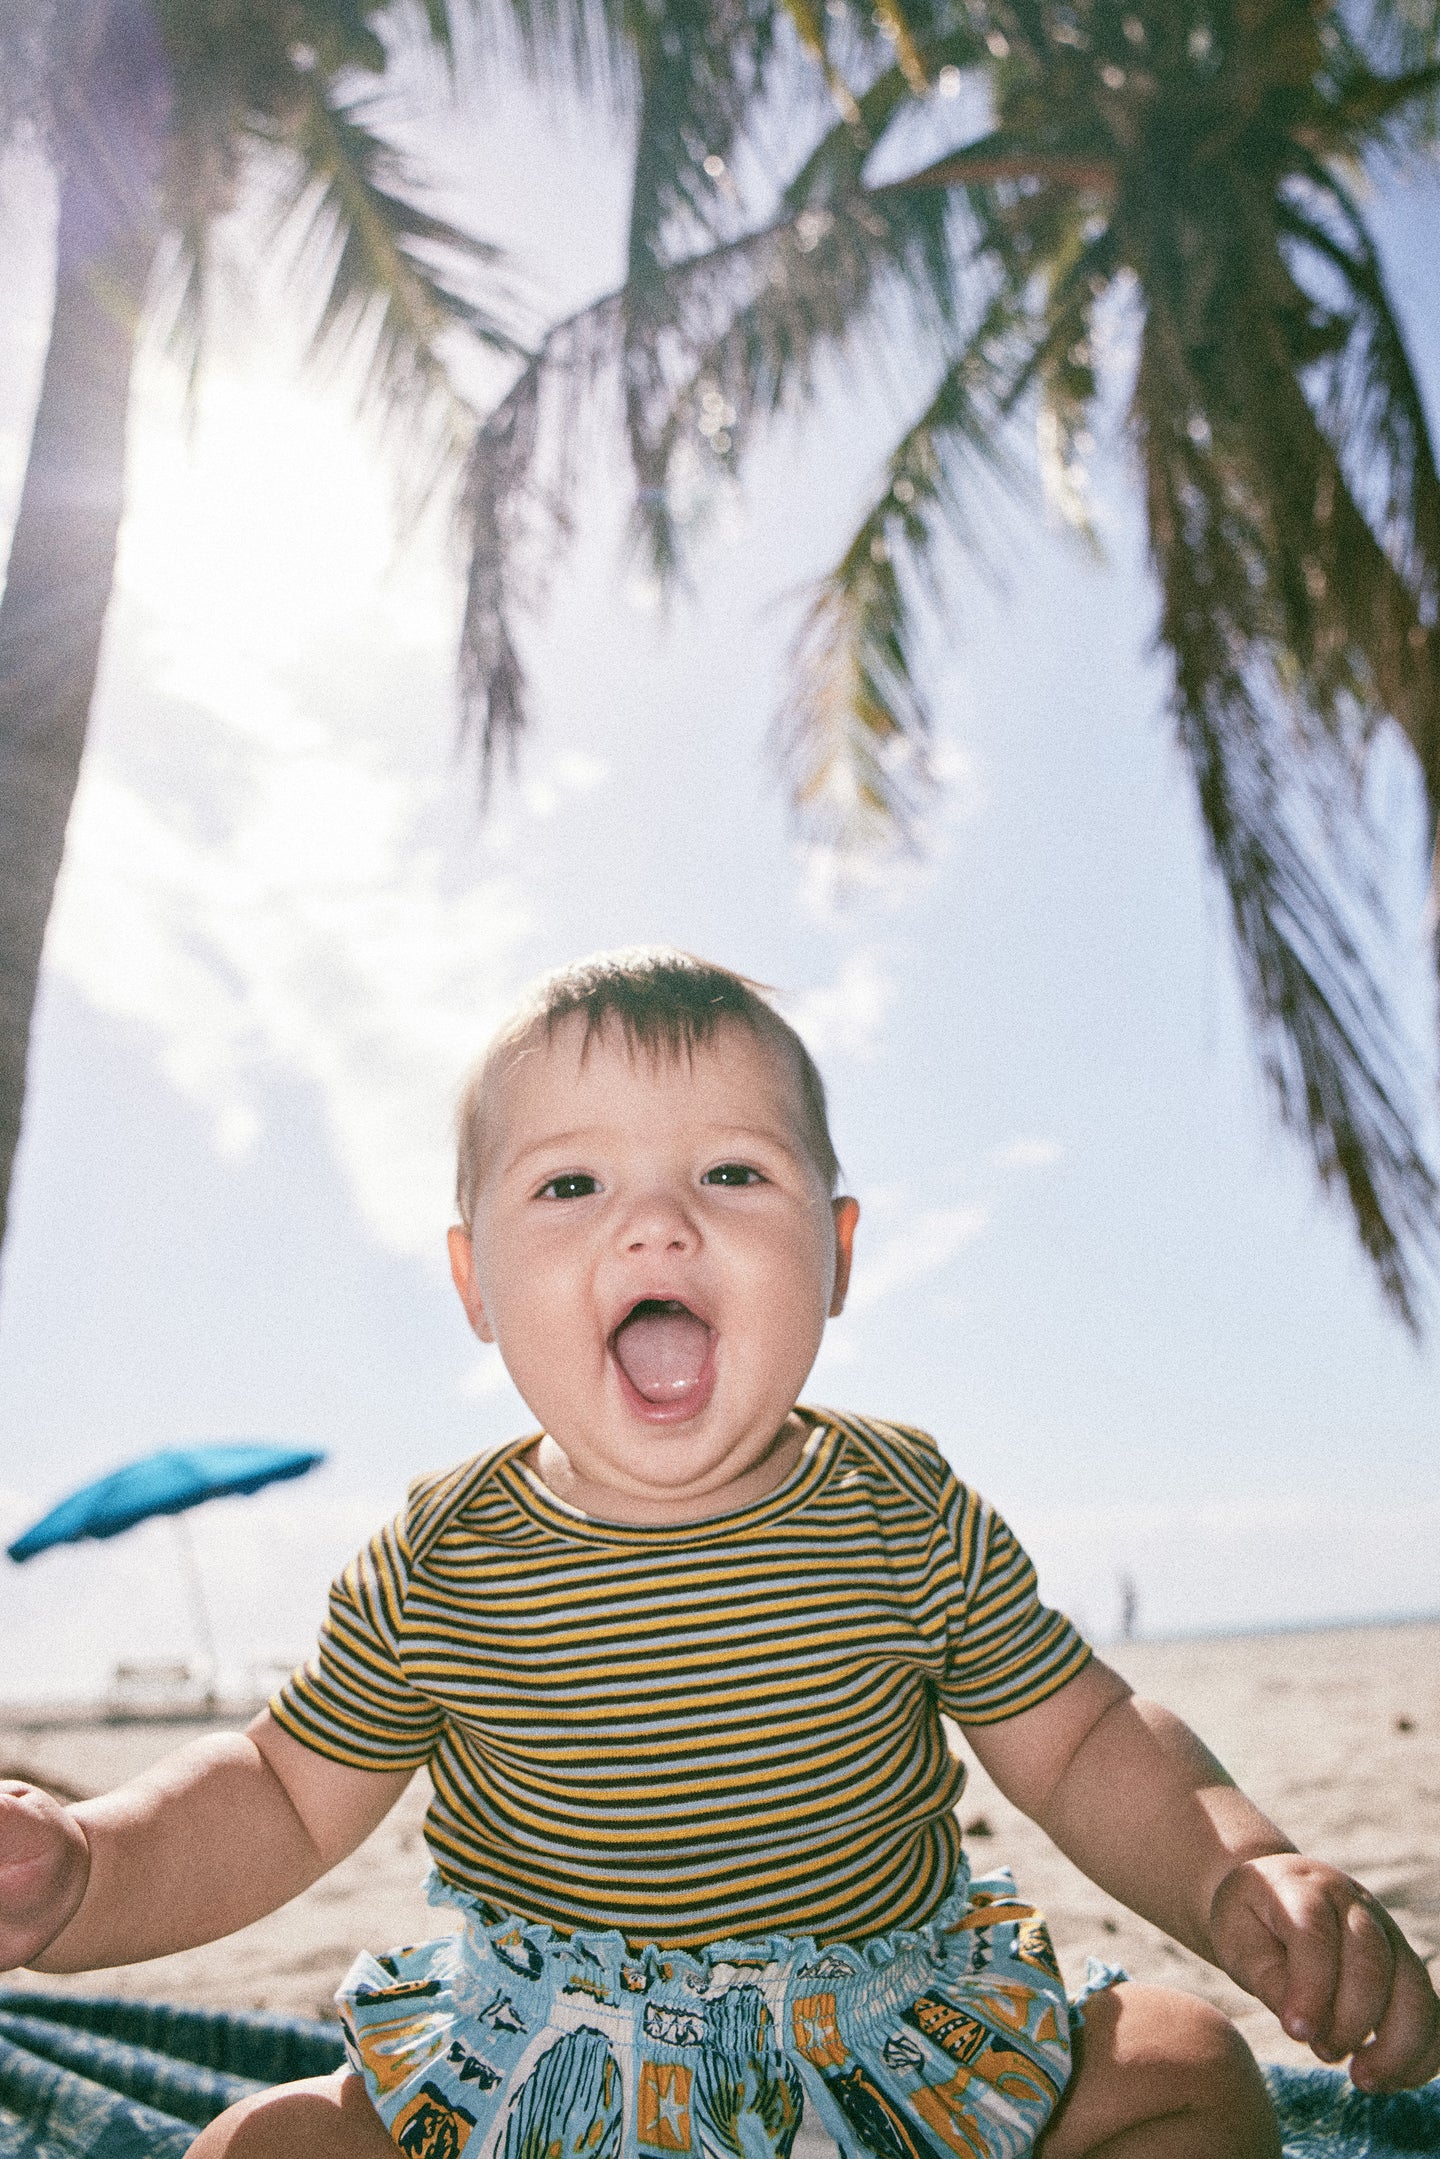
[{"x": 676, "y": 1667}]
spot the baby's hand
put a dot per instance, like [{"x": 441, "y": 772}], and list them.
[
  {"x": 1332, "y": 1964},
  {"x": 44, "y": 1867}
]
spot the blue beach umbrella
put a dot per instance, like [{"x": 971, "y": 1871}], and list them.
[{"x": 170, "y": 1482}]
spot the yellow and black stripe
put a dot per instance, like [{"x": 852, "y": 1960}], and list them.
[{"x": 697, "y": 1731}]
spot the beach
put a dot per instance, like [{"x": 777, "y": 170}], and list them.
[{"x": 1335, "y": 1733}]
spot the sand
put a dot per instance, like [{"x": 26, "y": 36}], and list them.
[{"x": 1335, "y": 1734}]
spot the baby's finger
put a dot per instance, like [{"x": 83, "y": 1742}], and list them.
[
  {"x": 1308, "y": 1927},
  {"x": 1367, "y": 1974},
  {"x": 1363, "y": 1991},
  {"x": 1406, "y": 2047}
]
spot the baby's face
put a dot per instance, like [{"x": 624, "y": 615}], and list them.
[{"x": 656, "y": 1253}]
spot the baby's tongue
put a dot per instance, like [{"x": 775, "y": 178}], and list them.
[{"x": 662, "y": 1349}]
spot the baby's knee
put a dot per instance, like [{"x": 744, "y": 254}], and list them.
[
  {"x": 1155, "y": 2057},
  {"x": 320, "y": 2118},
  {"x": 1161, "y": 2025}
]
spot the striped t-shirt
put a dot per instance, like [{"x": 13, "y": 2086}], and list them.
[{"x": 695, "y": 1731}]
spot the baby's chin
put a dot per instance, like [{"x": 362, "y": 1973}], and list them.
[{"x": 667, "y": 1472}]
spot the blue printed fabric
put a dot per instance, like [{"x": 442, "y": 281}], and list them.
[
  {"x": 83, "y": 2075},
  {"x": 507, "y": 2042}
]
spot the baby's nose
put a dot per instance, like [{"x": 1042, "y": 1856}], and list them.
[{"x": 659, "y": 1220}]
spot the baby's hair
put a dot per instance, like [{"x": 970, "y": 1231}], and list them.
[{"x": 665, "y": 1002}]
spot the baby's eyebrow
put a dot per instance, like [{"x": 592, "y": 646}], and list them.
[
  {"x": 746, "y": 1135},
  {"x": 554, "y": 1143},
  {"x": 716, "y": 1140}
]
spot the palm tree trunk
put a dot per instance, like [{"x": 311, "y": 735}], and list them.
[{"x": 114, "y": 123}]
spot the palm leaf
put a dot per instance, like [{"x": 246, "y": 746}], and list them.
[
  {"x": 809, "y": 22},
  {"x": 1268, "y": 709},
  {"x": 853, "y": 733},
  {"x": 1400, "y": 34},
  {"x": 513, "y": 520},
  {"x": 835, "y": 164},
  {"x": 758, "y": 309},
  {"x": 736, "y": 330},
  {"x": 182, "y": 285},
  {"x": 394, "y": 280},
  {"x": 701, "y": 69},
  {"x": 1369, "y": 110},
  {"x": 439, "y": 19},
  {"x": 1379, "y": 409}
]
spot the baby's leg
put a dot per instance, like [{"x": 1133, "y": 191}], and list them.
[
  {"x": 321, "y": 2118},
  {"x": 1161, "y": 2075}
]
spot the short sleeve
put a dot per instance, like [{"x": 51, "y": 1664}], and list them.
[
  {"x": 1007, "y": 1650},
  {"x": 352, "y": 1701}
]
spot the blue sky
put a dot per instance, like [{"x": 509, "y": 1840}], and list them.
[{"x": 1088, "y": 1261}]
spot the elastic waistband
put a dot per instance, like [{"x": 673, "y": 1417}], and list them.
[{"x": 529, "y": 1946}]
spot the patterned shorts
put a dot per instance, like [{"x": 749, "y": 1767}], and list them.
[{"x": 505, "y": 2042}]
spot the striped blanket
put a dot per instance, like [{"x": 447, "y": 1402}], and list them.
[{"x": 86, "y": 2077}]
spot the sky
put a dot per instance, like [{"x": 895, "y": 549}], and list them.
[{"x": 1089, "y": 1261}]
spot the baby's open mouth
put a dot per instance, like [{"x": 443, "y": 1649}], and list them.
[{"x": 663, "y": 1350}]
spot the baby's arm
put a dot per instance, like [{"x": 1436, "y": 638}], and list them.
[
  {"x": 1129, "y": 1793},
  {"x": 214, "y": 1836}
]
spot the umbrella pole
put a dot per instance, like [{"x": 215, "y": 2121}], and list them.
[{"x": 199, "y": 1611}]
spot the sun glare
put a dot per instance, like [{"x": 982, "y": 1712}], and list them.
[{"x": 270, "y": 523}]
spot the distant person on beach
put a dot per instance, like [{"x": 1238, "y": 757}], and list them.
[{"x": 676, "y": 1666}]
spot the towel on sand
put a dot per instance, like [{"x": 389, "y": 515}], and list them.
[{"x": 86, "y": 2077}]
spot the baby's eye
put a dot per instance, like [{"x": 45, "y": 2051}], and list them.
[
  {"x": 575, "y": 1184},
  {"x": 734, "y": 1173}
]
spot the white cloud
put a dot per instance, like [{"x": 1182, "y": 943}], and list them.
[
  {"x": 313, "y": 937},
  {"x": 572, "y": 773},
  {"x": 845, "y": 1016},
  {"x": 922, "y": 1246},
  {"x": 1027, "y": 1154}
]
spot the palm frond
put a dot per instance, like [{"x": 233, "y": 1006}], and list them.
[
  {"x": 718, "y": 340},
  {"x": 492, "y": 677},
  {"x": 852, "y": 736},
  {"x": 1399, "y": 34},
  {"x": 1268, "y": 704},
  {"x": 809, "y": 22},
  {"x": 394, "y": 279},
  {"x": 513, "y": 521},
  {"x": 834, "y": 166},
  {"x": 1009, "y": 155},
  {"x": 182, "y": 287},
  {"x": 1367, "y": 104},
  {"x": 701, "y": 66},
  {"x": 1063, "y": 366},
  {"x": 439, "y": 18},
  {"x": 1377, "y": 411},
  {"x": 580, "y": 45},
  {"x": 1353, "y": 465},
  {"x": 863, "y": 780},
  {"x": 743, "y": 332},
  {"x": 1329, "y": 1049}
]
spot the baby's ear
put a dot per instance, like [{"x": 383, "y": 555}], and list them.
[
  {"x": 462, "y": 1273},
  {"x": 847, "y": 1214}
]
